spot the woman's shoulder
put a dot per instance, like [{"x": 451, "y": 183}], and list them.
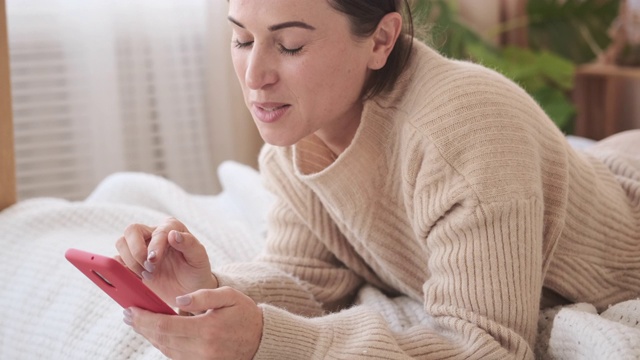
[
  {"x": 480, "y": 122},
  {"x": 434, "y": 80},
  {"x": 447, "y": 98}
]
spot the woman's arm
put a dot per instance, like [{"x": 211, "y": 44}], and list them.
[
  {"x": 297, "y": 272},
  {"x": 481, "y": 300}
]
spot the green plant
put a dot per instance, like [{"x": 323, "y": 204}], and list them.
[
  {"x": 562, "y": 34},
  {"x": 574, "y": 29}
]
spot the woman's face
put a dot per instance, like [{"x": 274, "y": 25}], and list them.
[{"x": 300, "y": 68}]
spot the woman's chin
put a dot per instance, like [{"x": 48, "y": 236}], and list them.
[{"x": 277, "y": 139}]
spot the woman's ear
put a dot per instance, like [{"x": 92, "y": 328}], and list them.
[{"x": 384, "y": 38}]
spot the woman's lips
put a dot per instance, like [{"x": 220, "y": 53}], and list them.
[{"x": 269, "y": 112}]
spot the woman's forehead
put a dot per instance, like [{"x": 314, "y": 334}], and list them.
[
  {"x": 308, "y": 8},
  {"x": 267, "y": 13}
]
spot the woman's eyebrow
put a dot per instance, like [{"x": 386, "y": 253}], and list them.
[
  {"x": 276, "y": 27},
  {"x": 288, "y": 24}
]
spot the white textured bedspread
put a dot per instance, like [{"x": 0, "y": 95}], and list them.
[{"x": 49, "y": 310}]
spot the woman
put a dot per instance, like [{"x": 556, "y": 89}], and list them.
[{"x": 393, "y": 167}]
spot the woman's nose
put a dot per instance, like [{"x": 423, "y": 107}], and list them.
[{"x": 260, "y": 71}]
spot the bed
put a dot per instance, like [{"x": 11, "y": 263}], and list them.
[{"x": 49, "y": 310}]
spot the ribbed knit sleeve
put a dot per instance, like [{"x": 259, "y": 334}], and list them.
[
  {"x": 297, "y": 272},
  {"x": 482, "y": 297}
]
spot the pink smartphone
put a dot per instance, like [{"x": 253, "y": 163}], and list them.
[{"x": 117, "y": 281}]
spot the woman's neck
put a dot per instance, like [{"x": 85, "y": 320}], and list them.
[{"x": 338, "y": 137}]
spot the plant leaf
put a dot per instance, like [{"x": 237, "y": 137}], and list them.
[{"x": 557, "y": 107}]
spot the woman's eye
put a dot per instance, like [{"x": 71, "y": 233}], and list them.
[
  {"x": 288, "y": 51},
  {"x": 241, "y": 45},
  {"x": 284, "y": 50}
]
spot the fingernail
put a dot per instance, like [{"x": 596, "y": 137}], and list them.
[
  {"x": 127, "y": 317},
  {"x": 183, "y": 300},
  {"x": 179, "y": 238},
  {"x": 152, "y": 255},
  {"x": 149, "y": 266},
  {"x": 147, "y": 275}
]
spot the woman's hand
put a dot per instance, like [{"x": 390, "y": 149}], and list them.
[
  {"x": 169, "y": 259},
  {"x": 229, "y": 326}
]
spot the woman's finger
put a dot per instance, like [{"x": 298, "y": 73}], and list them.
[
  {"x": 159, "y": 242},
  {"x": 193, "y": 251},
  {"x": 209, "y": 299},
  {"x": 136, "y": 237},
  {"x": 126, "y": 258},
  {"x": 174, "y": 336}
]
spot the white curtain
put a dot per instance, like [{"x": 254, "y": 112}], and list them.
[{"x": 101, "y": 86}]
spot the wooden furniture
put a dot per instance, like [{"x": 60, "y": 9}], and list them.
[
  {"x": 607, "y": 98},
  {"x": 7, "y": 158},
  {"x": 514, "y": 13}
]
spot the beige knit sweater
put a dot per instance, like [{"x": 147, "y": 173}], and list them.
[{"x": 457, "y": 191}]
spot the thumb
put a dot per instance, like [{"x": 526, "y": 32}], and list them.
[
  {"x": 193, "y": 251},
  {"x": 207, "y": 299}
]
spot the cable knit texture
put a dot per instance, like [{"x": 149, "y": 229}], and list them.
[{"x": 457, "y": 192}]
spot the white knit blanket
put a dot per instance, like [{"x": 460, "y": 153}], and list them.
[{"x": 48, "y": 310}]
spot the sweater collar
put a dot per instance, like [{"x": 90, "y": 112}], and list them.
[{"x": 344, "y": 180}]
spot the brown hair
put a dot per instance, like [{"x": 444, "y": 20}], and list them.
[{"x": 365, "y": 15}]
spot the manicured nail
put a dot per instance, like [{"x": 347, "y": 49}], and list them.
[
  {"x": 183, "y": 300},
  {"x": 147, "y": 275},
  {"x": 152, "y": 255},
  {"x": 149, "y": 266},
  {"x": 127, "y": 317},
  {"x": 179, "y": 237}
]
